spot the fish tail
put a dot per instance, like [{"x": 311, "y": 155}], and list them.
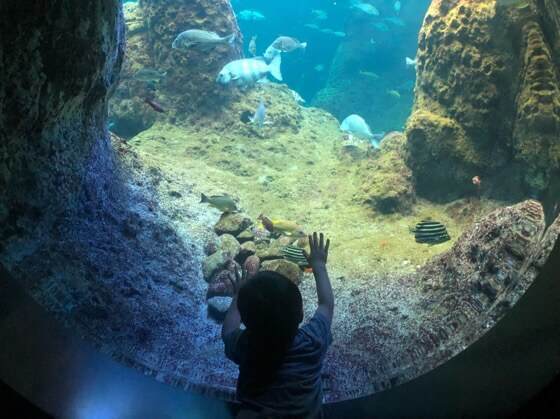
[
  {"x": 203, "y": 198},
  {"x": 303, "y": 45},
  {"x": 274, "y": 67}
]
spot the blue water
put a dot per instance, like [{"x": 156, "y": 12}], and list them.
[{"x": 393, "y": 36}]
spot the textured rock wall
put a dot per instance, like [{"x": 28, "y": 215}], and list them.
[
  {"x": 191, "y": 86},
  {"x": 52, "y": 114},
  {"x": 487, "y": 100}
]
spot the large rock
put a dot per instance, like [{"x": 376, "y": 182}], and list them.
[
  {"x": 284, "y": 267},
  {"x": 388, "y": 184},
  {"x": 232, "y": 223},
  {"x": 487, "y": 100},
  {"x": 229, "y": 246},
  {"x": 190, "y": 87}
]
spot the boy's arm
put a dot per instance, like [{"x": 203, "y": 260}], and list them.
[
  {"x": 232, "y": 320},
  {"x": 318, "y": 261}
]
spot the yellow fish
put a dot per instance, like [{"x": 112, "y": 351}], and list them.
[{"x": 288, "y": 228}]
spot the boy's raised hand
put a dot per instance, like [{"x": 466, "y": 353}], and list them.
[{"x": 319, "y": 250}]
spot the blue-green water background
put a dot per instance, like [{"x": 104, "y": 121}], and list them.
[{"x": 309, "y": 71}]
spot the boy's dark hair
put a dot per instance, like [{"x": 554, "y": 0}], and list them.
[{"x": 271, "y": 308}]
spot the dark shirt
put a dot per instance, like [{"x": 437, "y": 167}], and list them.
[{"x": 296, "y": 390}]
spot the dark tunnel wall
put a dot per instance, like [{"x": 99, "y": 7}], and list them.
[{"x": 52, "y": 116}]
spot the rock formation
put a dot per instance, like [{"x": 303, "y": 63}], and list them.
[
  {"x": 189, "y": 88},
  {"x": 487, "y": 100}
]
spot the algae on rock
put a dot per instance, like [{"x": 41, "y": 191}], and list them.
[{"x": 487, "y": 100}]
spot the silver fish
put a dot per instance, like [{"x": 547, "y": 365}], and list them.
[
  {"x": 200, "y": 38},
  {"x": 260, "y": 115},
  {"x": 248, "y": 71}
]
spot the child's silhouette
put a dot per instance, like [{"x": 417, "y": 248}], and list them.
[{"x": 279, "y": 364}]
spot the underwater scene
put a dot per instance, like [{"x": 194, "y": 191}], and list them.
[{"x": 422, "y": 137}]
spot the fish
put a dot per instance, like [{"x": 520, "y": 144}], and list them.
[
  {"x": 410, "y": 62},
  {"x": 266, "y": 222},
  {"x": 296, "y": 255},
  {"x": 397, "y": 7},
  {"x": 395, "y": 21},
  {"x": 369, "y": 74},
  {"x": 288, "y": 44},
  {"x": 311, "y": 26},
  {"x": 376, "y": 139},
  {"x": 251, "y": 15},
  {"x": 271, "y": 53},
  {"x": 368, "y": 9},
  {"x": 355, "y": 124},
  {"x": 394, "y": 93},
  {"x": 327, "y": 30},
  {"x": 517, "y": 4},
  {"x": 319, "y": 67},
  {"x": 154, "y": 105},
  {"x": 248, "y": 71},
  {"x": 149, "y": 75},
  {"x": 319, "y": 14},
  {"x": 253, "y": 45},
  {"x": 260, "y": 115},
  {"x": 339, "y": 34},
  {"x": 297, "y": 97},
  {"x": 381, "y": 26},
  {"x": 200, "y": 38},
  {"x": 223, "y": 203},
  {"x": 431, "y": 232},
  {"x": 287, "y": 227}
]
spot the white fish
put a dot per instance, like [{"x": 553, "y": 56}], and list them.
[
  {"x": 271, "y": 53},
  {"x": 297, "y": 97},
  {"x": 319, "y": 14},
  {"x": 251, "y": 15},
  {"x": 410, "y": 62},
  {"x": 397, "y": 6},
  {"x": 260, "y": 115},
  {"x": 368, "y": 9},
  {"x": 197, "y": 37},
  {"x": 355, "y": 124},
  {"x": 248, "y": 71}
]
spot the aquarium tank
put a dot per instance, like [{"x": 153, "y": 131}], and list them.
[{"x": 196, "y": 139}]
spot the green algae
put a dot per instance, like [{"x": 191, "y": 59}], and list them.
[{"x": 300, "y": 175}]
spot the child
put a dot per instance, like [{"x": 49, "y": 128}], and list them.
[{"x": 279, "y": 364}]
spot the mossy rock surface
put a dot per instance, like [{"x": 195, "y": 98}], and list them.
[{"x": 284, "y": 267}]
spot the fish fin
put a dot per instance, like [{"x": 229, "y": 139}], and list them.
[
  {"x": 231, "y": 38},
  {"x": 203, "y": 198},
  {"x": 274, "y": 67},
  {"x": 303, "y": 45}
]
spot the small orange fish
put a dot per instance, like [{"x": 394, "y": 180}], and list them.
[{"x": 476, "y": 181}]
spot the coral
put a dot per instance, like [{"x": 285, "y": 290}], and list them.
[{"x": 487, "y": 100}]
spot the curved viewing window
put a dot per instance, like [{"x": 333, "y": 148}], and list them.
[{"x": 420, "y": 136}]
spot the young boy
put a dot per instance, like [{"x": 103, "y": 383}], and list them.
[{"x": 279, "y": 364}]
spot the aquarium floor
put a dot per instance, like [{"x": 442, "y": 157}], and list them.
[{"x": 379, "y": 306}]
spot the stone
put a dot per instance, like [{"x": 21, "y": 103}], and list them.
[
  {"x": 220, "y": 284},
  {"x": 284, "y": 267},
  {"x": 218, "y": 307},
  {"x": 232, "y": 223},
  {"x": 388, "y": 185},
  {"x": 212, "y": 264},
  {"x": 485, "y": 105},
  {"x": 270, "y": 251},
  {"x": 252, "y": 265},
  {"x": 229, "y": 246},
  {"x": 246, "y": 236},
  {"x": 247, "y": 249}
]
